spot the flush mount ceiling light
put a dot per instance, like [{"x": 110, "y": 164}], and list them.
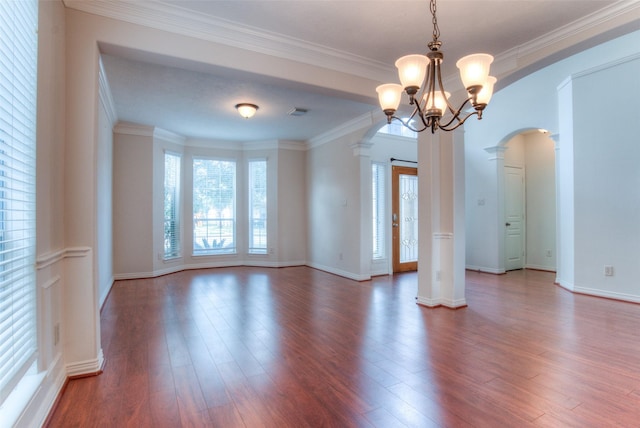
[
  {"x": 246, "y": 110},
  {"x": 422, "y": 81}
]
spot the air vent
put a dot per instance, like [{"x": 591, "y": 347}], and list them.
[{"x": 297, "y": 111}]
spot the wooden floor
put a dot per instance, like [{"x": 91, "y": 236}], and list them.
[{"x": 296, "y": 347}]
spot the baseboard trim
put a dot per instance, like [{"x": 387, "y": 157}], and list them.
[
  {"x": 87, "y": 368},
  {"x": 485, "y": 270},
  {"x": 211, "y": 265}
]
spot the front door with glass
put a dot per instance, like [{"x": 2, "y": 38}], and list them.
[{"x": 405, "y": 218}]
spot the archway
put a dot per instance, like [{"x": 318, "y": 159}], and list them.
[{"x": 528, "y": 154}]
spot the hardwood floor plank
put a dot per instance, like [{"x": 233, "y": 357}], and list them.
[{"x": 297, "y": 347}]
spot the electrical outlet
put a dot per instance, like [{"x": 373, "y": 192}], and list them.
[{"x": 608, "y": 270}]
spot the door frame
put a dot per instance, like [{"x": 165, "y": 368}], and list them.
[{"x": 396, "y": 171}]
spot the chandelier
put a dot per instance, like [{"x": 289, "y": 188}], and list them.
[{"x": 421, "y": 79}]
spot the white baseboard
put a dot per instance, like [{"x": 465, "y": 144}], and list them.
[
  {"x": 485, "y": 269},
  {"x": 540, "y": 267},
  {"x": 207, "y": 265},
  {"x": 87, "y": 367},
  {"x": 339, "y": 272},
  {"x": 607, "y": 294}
]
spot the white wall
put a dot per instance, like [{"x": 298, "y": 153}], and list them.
[
  {"x": 532, "y": 102},
  {"x": 291, "y": 210},
  {"x": 333, "y": 189},
  {"x": 607, "y": 177},
  {"x": 133, "y": 203}
]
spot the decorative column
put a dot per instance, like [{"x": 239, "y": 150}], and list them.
[
  {"x": 362, "y": 150},
  {"x": 441, "y": 253}
]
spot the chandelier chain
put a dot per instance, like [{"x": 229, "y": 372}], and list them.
[{"x": 434, "y": 20}]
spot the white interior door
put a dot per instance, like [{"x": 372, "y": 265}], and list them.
[{"x": 514, "y": 218}]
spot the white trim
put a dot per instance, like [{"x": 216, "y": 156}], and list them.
[
  {"x": 607, "y": 294},
  {"x": 208, "y": 265},
  {"x": 430, "y": 303},
  {"x": 37, "y": 410},
  {"x": 213, "y": 144},
  {"x": 127, "y": 128},
  {"x": 292, "y": 145},
  {"x": 606, "y": 66},
  {"x": 48, "y": 259},
  {"x": 105, "y": 95},
  {"x": 340, "y": 272},
  {"x": 178, "y": 20},
  {"x": 361, "y": 122},
  {"x": 580, "y": 30},
  {"x": 564, "y": 284},
  {"x": 453, "y": 304},
  {"x": 485, "y": 269},
  {"x": 361, "y": 148},
  {"x": 85, "y": 367},
  {"x": 540, "y": 267},
  {"x": 51, "y": 282},
  {"x": 168, "y": 136},
  {"x": 443, "y": 235}
]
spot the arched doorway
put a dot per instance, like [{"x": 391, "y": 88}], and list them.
[{"x": 529, "y": 201}]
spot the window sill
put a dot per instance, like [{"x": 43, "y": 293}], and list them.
[{"x": 19, "y": 398}]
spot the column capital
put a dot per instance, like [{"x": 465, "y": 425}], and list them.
[
  {"x": 361, "y": 148},
  {"x": 497, "y": 152}
]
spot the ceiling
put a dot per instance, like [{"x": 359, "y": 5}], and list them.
[{"x": 357, "y": 40}]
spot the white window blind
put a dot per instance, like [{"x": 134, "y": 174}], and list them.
[
  {"x": 214, "y": 206},
  {"x": 258, "y": 206},
  {"x": 171, "y": 205},
  {"x": 378, "y": 197},
  {"x": 18, "y": 66}
]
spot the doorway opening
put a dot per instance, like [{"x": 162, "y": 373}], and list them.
[{"x": 529, "y": 202}]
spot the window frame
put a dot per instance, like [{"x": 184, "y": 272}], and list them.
[
  {"x": 177, "y": 203},
  {"x": 251, "y": 247},
  {"x": 378, "y": 210},
  {"x": 205, "y": 249}
]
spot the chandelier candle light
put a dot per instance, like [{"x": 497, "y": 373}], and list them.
[{"x": 421, "y": 79}]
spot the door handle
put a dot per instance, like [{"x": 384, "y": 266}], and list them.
[{"x": 507, "y": 224}]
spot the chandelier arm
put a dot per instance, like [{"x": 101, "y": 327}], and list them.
[
  {"x": 420, "y": 113},
  {"x": 461, "y": 122},
  {"x": 407, "y": 123},
  {"x": 456, "y": 113}
]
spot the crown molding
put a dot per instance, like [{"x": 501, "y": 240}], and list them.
[
  {"x": 127, "y": 128},
  {"x": 168, "y": 136},
  {"x": 362, "y": 122},
  {"x": 106, "y": 98},
  {"x": 596, "y": 23},
  {"x": 175, "y": 19},
  {"x": 292, "y": 145}
]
